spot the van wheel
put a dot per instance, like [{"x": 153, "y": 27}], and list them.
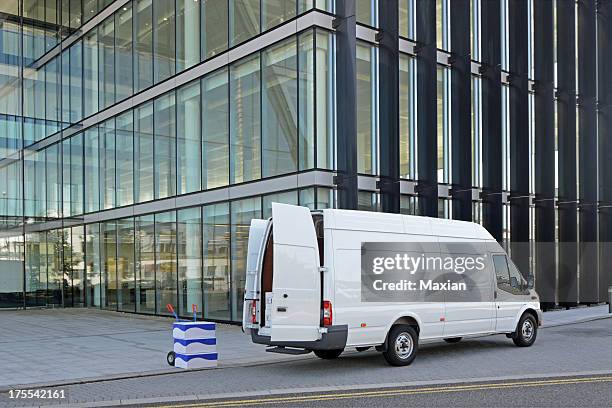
[
  {"x": 453, "y": 340},
  {"x": 328, "y": 354},
  {"x": 402, "y": 345},
  {"x": 526, "y": 331}
]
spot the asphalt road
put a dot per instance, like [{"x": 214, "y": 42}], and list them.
[
  {"x": 575, "y": 391},
  {"x": 581, "y": 349}
]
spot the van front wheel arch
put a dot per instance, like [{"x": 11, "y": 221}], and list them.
[{"x": 402, "y": 345}]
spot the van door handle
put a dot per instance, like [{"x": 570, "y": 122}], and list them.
[{"x": 281, "y": 309}]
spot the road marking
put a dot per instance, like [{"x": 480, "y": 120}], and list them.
[{"x": 388, "y": 393}]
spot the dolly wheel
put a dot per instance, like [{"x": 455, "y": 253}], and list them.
[{"x": 170, "y": 358}]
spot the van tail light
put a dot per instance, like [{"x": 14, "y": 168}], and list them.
[
  {"x": 327, "y": 313},
  {"x": 253, "y": 311}
]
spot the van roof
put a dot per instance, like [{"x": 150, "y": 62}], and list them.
[{"x": 399, "y": 223}]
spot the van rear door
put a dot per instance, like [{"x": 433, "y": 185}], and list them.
[
  {"x": 296, "y": 283},
  {"x": 257, "y": 234}
]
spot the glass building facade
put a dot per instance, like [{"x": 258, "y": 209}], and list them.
[{"x": 138, "y": 138}]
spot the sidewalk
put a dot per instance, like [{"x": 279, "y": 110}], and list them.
[{"x": 66, "y": 346}]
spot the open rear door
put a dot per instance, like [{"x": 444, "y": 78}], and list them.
[
  {"x": 257, "y": 233},
  {"x": 296, "y": 282}
]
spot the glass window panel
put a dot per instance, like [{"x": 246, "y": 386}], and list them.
[
  {"x": 275, "y": 12},
  {"x": 106, "y": 59},
  {"x": 165, "y": 260},
  {"x": 143, "y": 153},
  {"x": 325, "y": 100},
  {"x": 66, "y": 202},
  {"x": 76, "y": 174},
  {"x": 366, "y": 12},
  {"x": 215, "y": 129},
  {"x": 243, "y": 20},
  {"x": 107, "y": 164},
  {"x": 279, "y": 110},
  {"x": 242, "y": 211},
  {"x": 123, "y": 52},
  {"x": 407, "y": 94},
  {"x": 54, "y": 267},
  {"x": 65, "y": 273},
  {"x": 187, "y": 34},
  {"x": 145, "y": 264},
  {"x": 92, "y": 264},
  {"x": 368, "y": 201},
  {"x": 66, "y": 113},
  {"x": 442, "y": 24},
  {"x": 90, "y": 9},
  {"x": 215, "y": 30},
  {"x": 143, "y": 58},
  {"x": 165, "y": 146},
  {"x": 286, "y": 197},
  {"x": 76, "y": 81},
  {"x": 443, "y": 131},
  {"x": 77, "y": 265},
  {"x": 216, "y": 242},
  {"x": 306, "y": 103},
  {"x": 53, "y": 103},
  {"x": 35, "y": 270},
  {"x": 163, "y": 40},
  {"x": 54, "y": 180},
  {"x": 189, "y": 144},
  {"x": 125, "y": 265},
  {"x": 92, "y": 170},
  {"x": 406, "y": 18},
  {"x": 189, "y": 229},
  {"x": 108, "y": 234},
  {"x": 245, "y": 120},
  {"x": 365, "y": 110},
  {"x": 90, "y": 72},
  {"x": 125, "y": 159}
]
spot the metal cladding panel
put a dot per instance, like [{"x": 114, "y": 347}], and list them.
[
  {"x": 587, "y": 78},
  {"x": 389, "y": 106},
  {"x": 491, "y": 118},
  {"x": 566, "y": 120},
  {"x": 461, "y": 100},
  {"x": 346, "y": 55},
  {"x": 544, "y": 151},
  {"x": 427, "y": 107},
  {"x": 604, "y": 121}
]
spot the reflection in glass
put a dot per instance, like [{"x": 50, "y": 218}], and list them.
[
  {"x": 165, "y": 145},
  {"x": 125, "y": 265},
  {"x": 77, "y": 265},
  {"x": 188, "y": 138},
  {"x": 163, "y": 40},
  {"x": 145, "y": 264},
  {"x": 365, "y": 110},
  {"x": 106, "y": 59},
  {"x": 215, "y": 23},
  {"x": 407, "y": 93},
  {"x": 243, "y": 20},
  {"x": 165, "y": 260},
  {"x": 123, "y": 52},
  {"x": 107, "y": 164},
  {"x": 306, "y": 103},
  {"x": 215, "y": 129},
  {"x": 279, "y": 109},
  {"x": 216, "y": 242},
  {"x": 189, "y": 231},
  {"x": 92, "y": 170},
  {"x": 275, "y": 12},
  {"x": 108, "y": 234},
  {"x": 92, "y": 264},
  {"x": 143, "y": 153},
  {"x": 125, "y": 158},
  {"x": 143, "y": 47},
  {"x": 76, "y": 175},
  {"x": 242, "y": 211},
  {"x": 90, "y": 73},
  {"x": 187, "y": 34},
  {"x": 325, "y": 99},
  {"x": 286, "y": 197},
  {"x": 245, "y": 120}
]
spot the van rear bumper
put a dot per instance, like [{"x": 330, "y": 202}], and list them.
[{"x": 334, "y": 339}]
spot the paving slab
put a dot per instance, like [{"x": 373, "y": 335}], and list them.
[{"x": 63, "y": 346}]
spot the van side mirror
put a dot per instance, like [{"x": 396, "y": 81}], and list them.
[
  {"x": 514, "y": 282},
  {"x": 530, "y": 282}
]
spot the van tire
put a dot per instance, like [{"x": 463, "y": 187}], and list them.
[
  {"x": 402, "y": 345},
  {"x": 526, "y": 331},
  {"x": 328, "y": 354},
  {"x": 453, "y": 339}
]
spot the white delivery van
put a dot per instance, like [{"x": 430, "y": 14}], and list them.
[{"x": 303, "y": 287}]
